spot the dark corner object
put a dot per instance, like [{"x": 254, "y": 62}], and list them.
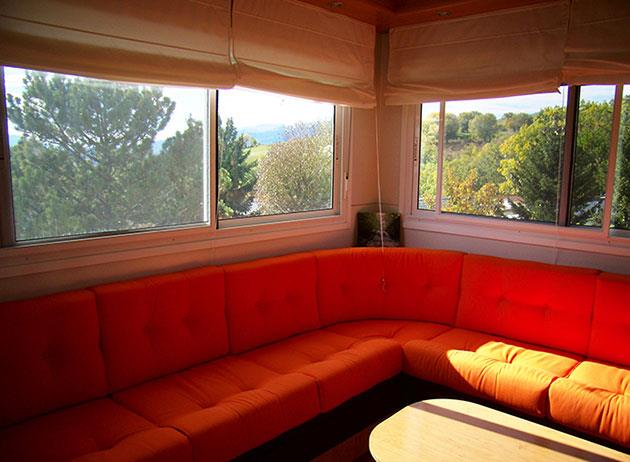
[{"x": 369, "y": 231}]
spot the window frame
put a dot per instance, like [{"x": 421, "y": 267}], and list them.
[
  {"x": 236, "y": 222},
  {"x": 599, "y": 240},
  {"x": 28, "y": 257}
]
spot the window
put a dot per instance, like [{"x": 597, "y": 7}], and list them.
[
  {"x": 275, "y": 154},
  {"x": 90, "y": 157},
  {"x": 620, "y": 222},
  {"x": 429, "y": 142},
  {"x": 506, "y": 158},
  {"x": 590, "y": 163}
]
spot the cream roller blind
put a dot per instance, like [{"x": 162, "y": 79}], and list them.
[
  {"x": 153, "y": 41},
  {"x": 298, "y": 49},
  {"x": 504, "y": 53},
  {"x": 598, "y": 42}
]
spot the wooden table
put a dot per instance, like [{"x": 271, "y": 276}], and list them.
[{"x": 454, "y": 430}]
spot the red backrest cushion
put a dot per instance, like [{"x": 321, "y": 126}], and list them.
[
  {"x": 270, "y": 299},
  {"x": 406, "y": 283},
  {"x": 161, "y": 324},
  {"x": 534, "y": 302},
  {"x": 50, "y": 355},
  {"x": 610, "y": 332}
]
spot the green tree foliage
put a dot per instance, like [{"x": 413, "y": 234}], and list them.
[
  {"x": 237, "y": 174},
  {"x": 296, "y": 174},
  {"x": 591, "y": 163},
  {"x": 178, "y": 176},
  {"x": 451, "y": 127},
  {"x": 428, "y": 161},
  {"x": 621, "y": 201},
  {"x": 464, "y": 123},
  {"x": 85, "y": 163},
  {"x": 530, "y": 165},
  {"x": 483, "y": 127}
]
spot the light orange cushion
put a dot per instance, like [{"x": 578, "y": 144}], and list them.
[
  {"x": 512, "y": 373},
  {"x": 594, "y": 398},
  {"x": 399, "y": 331},
  {"x": 225, "y": 407},
  {"x": 342, "y": 366},
  {"x": 97, "y": 431}
]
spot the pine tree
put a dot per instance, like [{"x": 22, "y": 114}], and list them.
[
  {"x": 237, "y": 174},
  {"x": 86, "y": 164}
]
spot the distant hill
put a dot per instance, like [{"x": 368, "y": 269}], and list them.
[{"x": 264, "y": 134}]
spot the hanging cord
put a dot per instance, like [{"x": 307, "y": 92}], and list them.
[{"x": 380, "y": 201}]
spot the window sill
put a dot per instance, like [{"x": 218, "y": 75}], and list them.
[
  {"x": 39, "y": 258},
  {"x": 544, "y": 235}
]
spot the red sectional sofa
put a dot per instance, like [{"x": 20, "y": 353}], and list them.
[{"x": 208, "y": 363}]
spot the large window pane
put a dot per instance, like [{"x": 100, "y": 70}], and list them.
[
  {"x": 275, "y": 154},
  {"x": 592, "y": 147},
  {"x": 92, "y": 156},
  {"x": 620, "y": 218},
  {"x": 502, "y": 156},
  {"x": 429, "y": 137}
]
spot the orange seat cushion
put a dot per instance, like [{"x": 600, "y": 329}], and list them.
[
  {"x": 367, "y": 283},
  {"x": 341, "y": 366},
  {"x": 225, "y": 407},
  {"x": 161, "y": 324},
  {"x": 270, "y": 299},
  {"x": 533, "y": 302},
  {"x": 610, "y": 336},
  {"x": 399, "y": 331},
  {"x": 512, "y": 373},
  {"x": 594, "y": 398},
  {"x": 50, "y": 355},
  {"x": 96, "y": 431}
]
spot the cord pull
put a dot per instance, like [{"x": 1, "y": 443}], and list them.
[{"x": 383, "y": 284}]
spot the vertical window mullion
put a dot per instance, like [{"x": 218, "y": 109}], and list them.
[
  {"x": 612, "y": 160},
  {"x": 440, "y": 159},
  {"x": 213, "y": 174},
  {"x": 7, "y": 221},
  {"x": 415, "y": 159}
]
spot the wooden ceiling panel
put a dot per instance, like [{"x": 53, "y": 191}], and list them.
[{"x": 385, "y": 14}]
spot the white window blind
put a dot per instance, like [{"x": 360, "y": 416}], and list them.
[
  {"x": 503, "y": 53},
  {"x": 167, "y": 42},
  {"x": 289, "y": 47},
  {"x": 598, "y": 43}
]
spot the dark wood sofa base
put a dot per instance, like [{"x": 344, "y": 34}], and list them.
[{"x": 330, "y": 429}]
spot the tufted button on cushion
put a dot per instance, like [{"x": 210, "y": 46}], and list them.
[
  {"x": 365, "y": 294},
  {"x": 506, "y": 297},
  {"x": 227, "y": 406},
  {"x": 610, "y": 335},
  {"x": 145, "y": 334},
  {"x": 96, "y": 431},
  {"x": 270, "y": 299},
  {"x": 594, "y": 398},
  {"x": 50, "y": 355},
  {"x": 510, "y": 372}
]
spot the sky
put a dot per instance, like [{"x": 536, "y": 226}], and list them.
[
  {"x": 252, "y": 108},
  {"x": 248, "y": 108},
  {"x": 528, "y": 103}
]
